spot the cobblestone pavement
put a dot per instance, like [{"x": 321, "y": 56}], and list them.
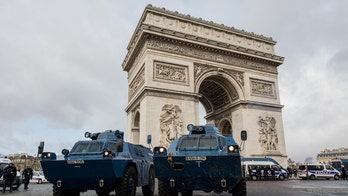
[{"x": 259, "y": 188}]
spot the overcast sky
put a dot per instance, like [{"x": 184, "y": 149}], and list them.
[{"x": 61, "y": 74}]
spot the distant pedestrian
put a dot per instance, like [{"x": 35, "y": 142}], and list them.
[
  {"x": 10, "y": 173},
  {"x": 1, "y": 172},
  {"x": 289, "y": 172},
  {"x": 273, "y": 173},
  {"x": 344, "y": 174},
  {"x": 27, "y": 175},
  {"x": 258, "y": 173},
  {"x": 295, "y": 172}
]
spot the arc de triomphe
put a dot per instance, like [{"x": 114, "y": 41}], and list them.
[{"x": 175, "y": 61}]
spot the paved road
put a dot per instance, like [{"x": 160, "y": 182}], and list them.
[{"x": 255, "y": 188}]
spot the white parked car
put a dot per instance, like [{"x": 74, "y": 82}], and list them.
[{"x": 38, "y": 177}]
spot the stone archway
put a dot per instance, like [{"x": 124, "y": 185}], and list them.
[
  {"x": 135, "y": 137},
  {"x": 175, "y": 61},
  {"x": 226, "y": 127}
]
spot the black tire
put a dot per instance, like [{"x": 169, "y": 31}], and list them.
[
  {"x": 103, "y": 192},
  {"x": 312, "y": 177},
  {"x": 336, "y": 177},
  {"x": 240, "y": 189},
  {"x": 253, "y": 178},
  {"x": 59, "y": 192},
  {"x": 163, "y": 190},
  {"x": 149, "y": 189},
  {"x": 281, "y": 177},
  {"x": 186, "y": 193},
  {"x": 128, "y": 184},
  {"x": 39, "y": 181}
]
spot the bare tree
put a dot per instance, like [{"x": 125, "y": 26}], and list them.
[{"x": 308, "y": 160}]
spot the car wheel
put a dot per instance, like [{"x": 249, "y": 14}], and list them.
[
  {"x": 281, "y": 177},
  {"x": 253, "y": 178},
  {"x": 312, "y": 177},
  {"x": 39, "y": 181},
  {"x": 336, "y": 177}
]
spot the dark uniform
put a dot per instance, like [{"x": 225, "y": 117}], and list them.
[
  {"x": 27, "y": 174},
  {"x": 1, "y": 172},
  {"x": 10, "y": 173},
  {"x": 344, "y": 174}
]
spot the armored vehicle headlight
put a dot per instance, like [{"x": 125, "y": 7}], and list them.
[
  {"x": 48, "y": 155},
  {"x": 232, "y": 148},
  {"x": 106, "y": 153},
  {"x": 160, "y": 150}
]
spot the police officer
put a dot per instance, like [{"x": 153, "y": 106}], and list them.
[
  {"x": 27, "y": 174},
  {"x": 10, "y": 173},
  {"x": 1, "y": 172},
  {"x": 344, "y": 174}
]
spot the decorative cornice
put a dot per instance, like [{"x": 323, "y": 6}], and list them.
[
  {"x": 201, "y": 21},
  {"x": 246, "y": 105},
  {"x": 159, "y": 92},
  {"x": 211, "y": 54},
  {"x": 184, "y": 27}
]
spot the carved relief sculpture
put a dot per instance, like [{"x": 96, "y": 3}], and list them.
[
  {"x": 170, "y": 72},
  {"x": 268, "y": 134},
  {"x": 262, "y": 88},
  {"x": 171, "y": 124}
]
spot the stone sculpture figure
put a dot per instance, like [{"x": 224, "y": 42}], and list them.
[
  {"x": 170, "y": 124},
  {"x": 268, "y": 134}
]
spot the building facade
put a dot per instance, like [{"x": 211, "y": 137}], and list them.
[{"x": 327, "y": 155}]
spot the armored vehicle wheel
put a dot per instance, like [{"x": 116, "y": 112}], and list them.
[
  {"x": 149, "y": 189},
  {"x": 186, "y": 193},
  {"x": 127, "y": 186},
  {"x": 240, "y": 189},
  {"x": 103, "y": 192},
  {"x": 163, "y": 190},
  {"x": 59, "y": 192}
]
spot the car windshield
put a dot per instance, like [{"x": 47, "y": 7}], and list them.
[
  {"x": 199, "y": 142},
  {"x": 87, "y": 147}
]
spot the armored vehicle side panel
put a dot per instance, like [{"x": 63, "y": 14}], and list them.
[
  {"x": 103, "y": 164},
  {"x": 202, "y": 160}
]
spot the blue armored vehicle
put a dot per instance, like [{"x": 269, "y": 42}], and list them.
[
  {"x": 105, "y": 163},
  {"x": 202, "y": 160}
]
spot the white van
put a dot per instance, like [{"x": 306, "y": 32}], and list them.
[
  {"x": 258, "y": 170},
  {"x": 316, "y": 171}
]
